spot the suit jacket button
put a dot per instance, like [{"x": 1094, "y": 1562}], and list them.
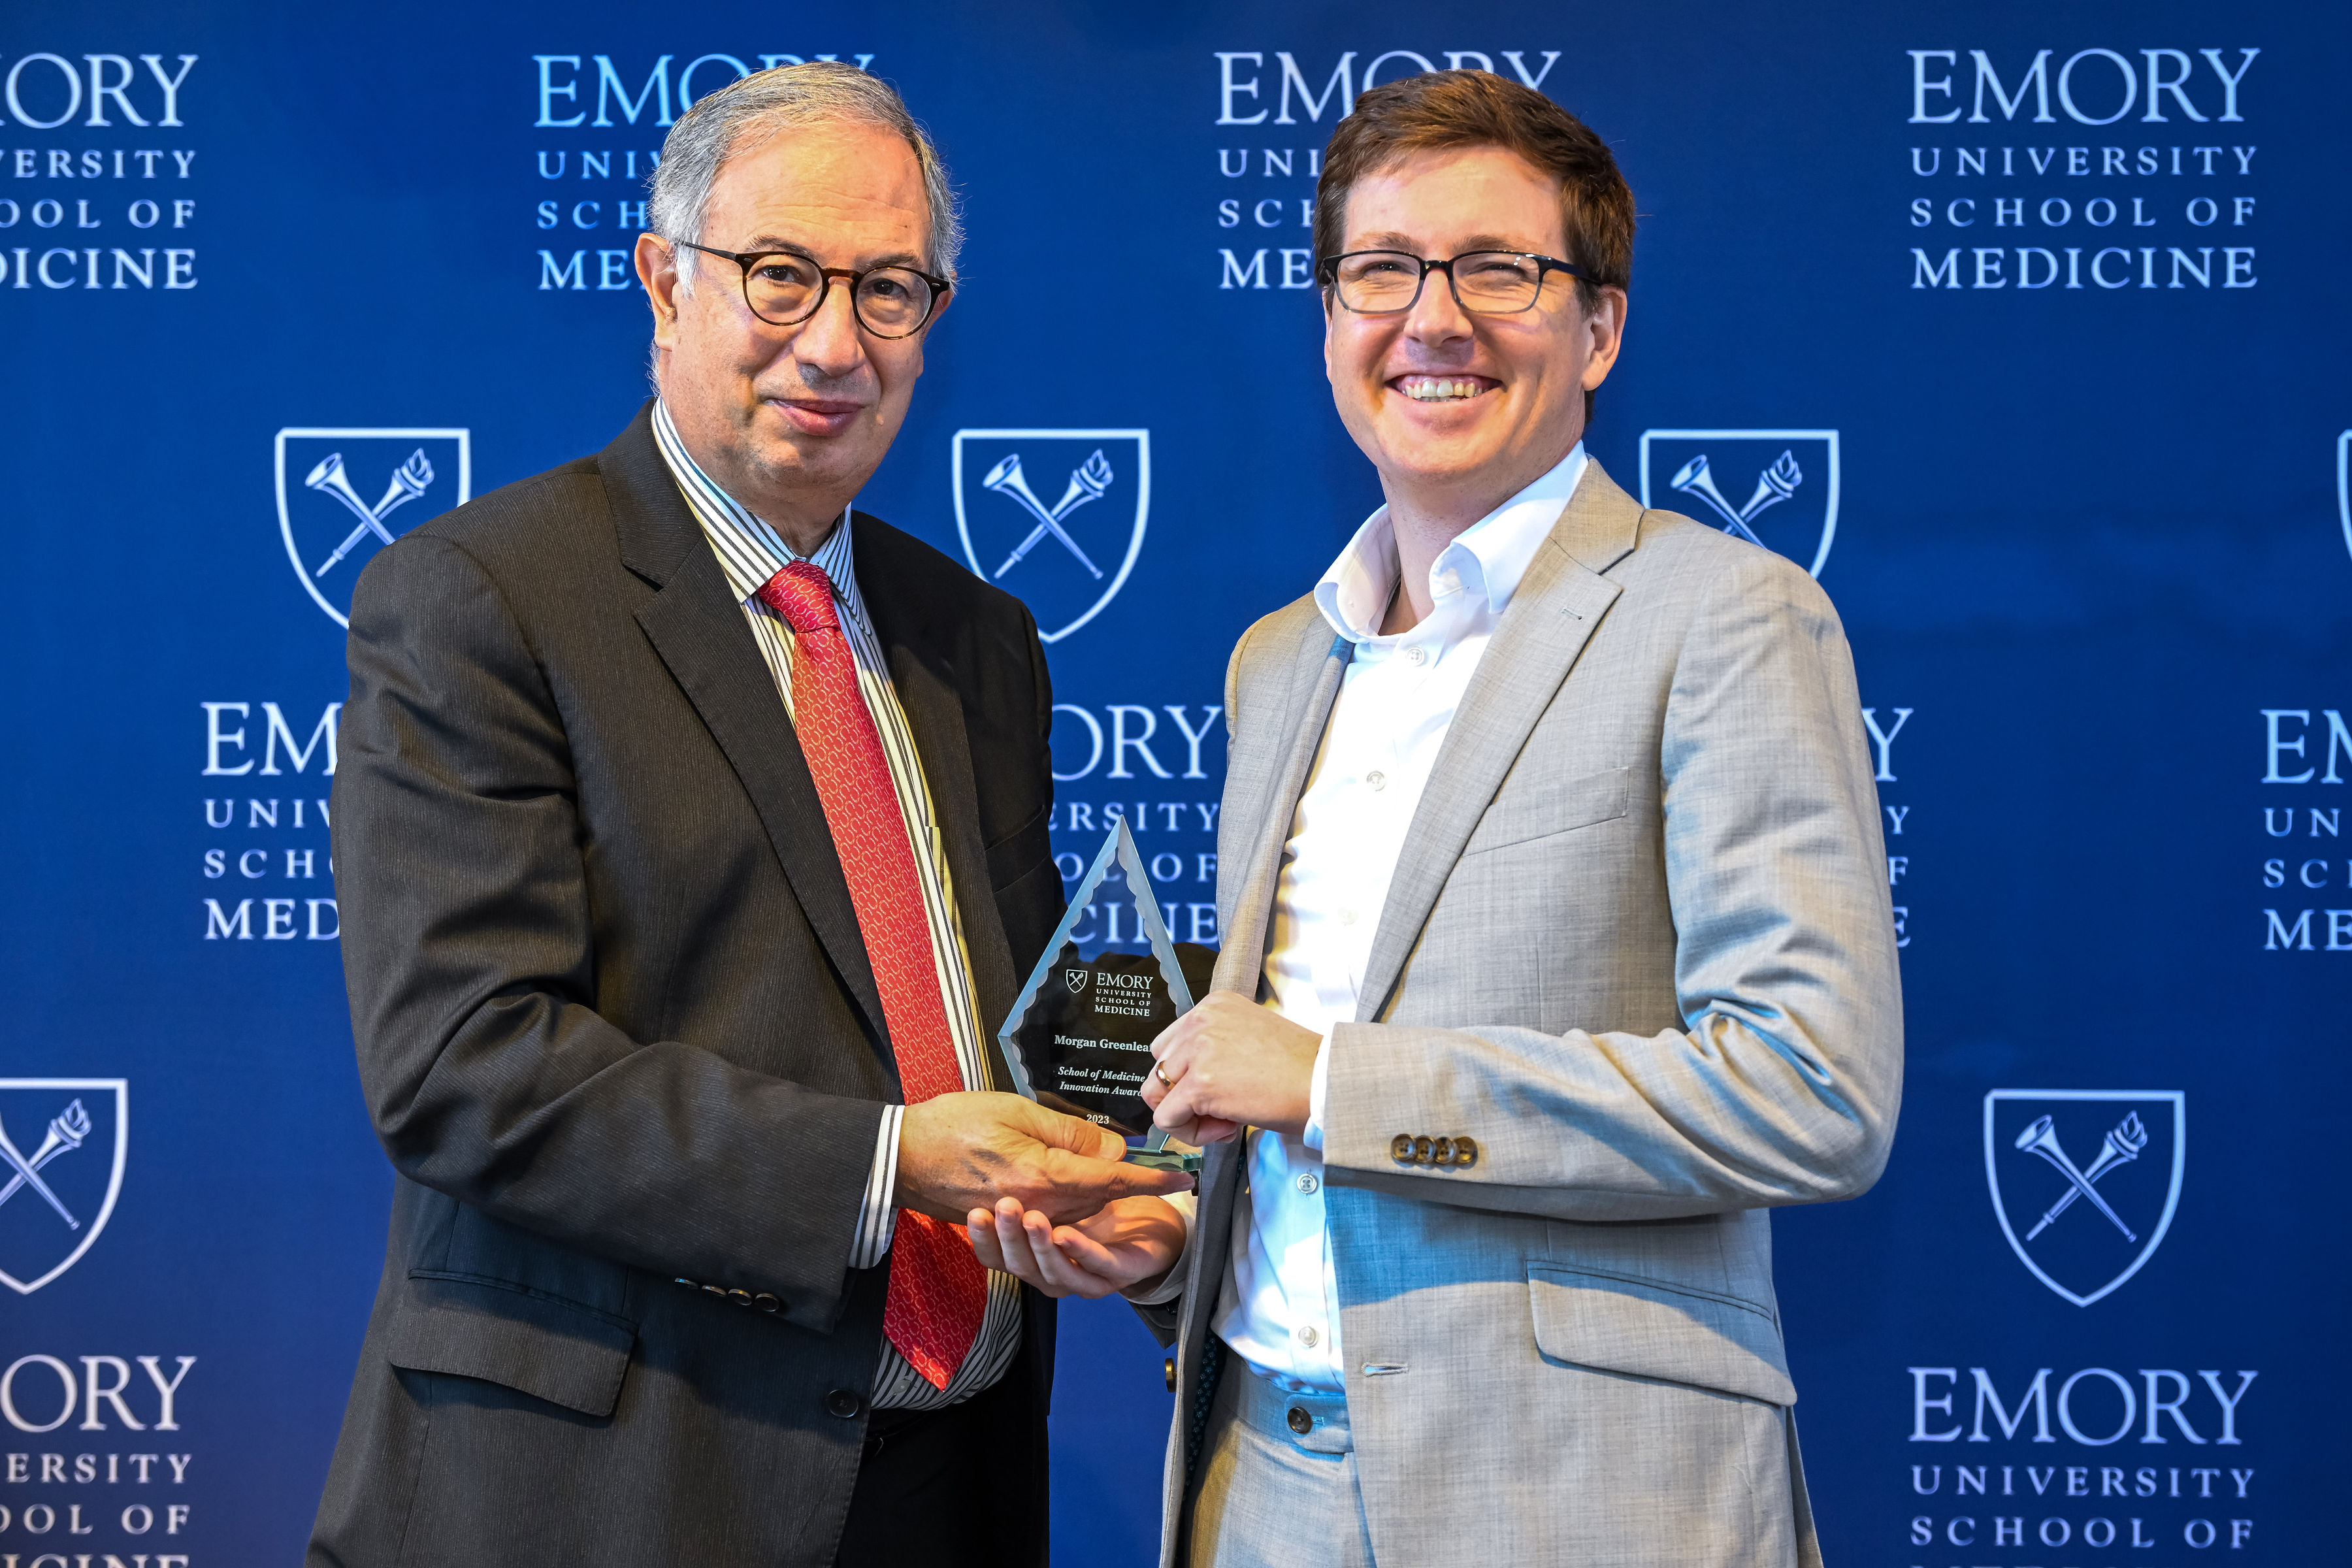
[
  {"x": 1168, "y": 1367},
  {"x": 767, "y": 1303},
  {"x": 1421, "y": 1151},
  {"x": 1441, "y": 1154},
  {"x": 1400, "y": 1148},
  {"x": 741, "y": 1297},
  {"x": 1465, "y": 1153},
  {"x": 1300, "y": 1421},
  {"x": 841, "y": 1403}
]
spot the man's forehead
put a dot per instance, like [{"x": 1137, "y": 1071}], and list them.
[
  {"x": 818, "y": 185},
  {"x": 1483, "y": 197}
]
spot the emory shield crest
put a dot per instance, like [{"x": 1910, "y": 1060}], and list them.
[
  {"x": 1777, "y": 488},
  {"x": 338, "y": 491},
  {"x": 2084, "y": 1181},
  {"x": 2344, "y": 485},
  {"x": 1054, "y": 517},
  {"x": 63, "y": 1141}
]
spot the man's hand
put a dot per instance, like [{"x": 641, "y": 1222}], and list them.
[
  {"x": 957, "y": 1153},
  {"x": 1232, "y": 1063},
  {"x": 1129, "y": 1245}
]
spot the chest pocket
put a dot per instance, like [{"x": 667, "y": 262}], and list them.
[{"x": 1537, "y": 810}]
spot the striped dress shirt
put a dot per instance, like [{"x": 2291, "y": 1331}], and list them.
[{"x": 751, "y": 552}]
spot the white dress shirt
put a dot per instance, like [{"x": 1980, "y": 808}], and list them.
[
  {"x": 1279, "y": 1308},
  {"x": 750, "y": 553}
]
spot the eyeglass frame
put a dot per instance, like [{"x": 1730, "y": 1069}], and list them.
[
  {"x": 1545, "y": 266},
  {"x": 941, "y": 287}
]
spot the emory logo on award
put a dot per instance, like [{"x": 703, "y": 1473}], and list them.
[
  {"x": 1706, "y": 474},
  {"x": 338, "y": 491},
  {"x": 1076, "y": 979},
  {"x": 1067, "y": 559},
  {"x": 2084, "y": 1181},
  {"x": 62, "y": 1145}
]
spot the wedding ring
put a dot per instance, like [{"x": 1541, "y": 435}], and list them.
[{"x": 1161, "y": 1072}]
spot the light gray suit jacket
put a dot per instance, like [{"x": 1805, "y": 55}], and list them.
[{"x": 1638, "y": 946}]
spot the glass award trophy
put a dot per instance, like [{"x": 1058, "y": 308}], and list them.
[{"x": 1079, "y": 1038}]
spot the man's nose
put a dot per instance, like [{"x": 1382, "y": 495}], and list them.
[
  {"x": 1437, "y": 317},
  {"x": 830, "y": 342}
]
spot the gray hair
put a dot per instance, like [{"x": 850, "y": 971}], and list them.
[{"x": 746, "y": 112}]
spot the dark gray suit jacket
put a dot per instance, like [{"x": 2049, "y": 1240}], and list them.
[{"x": 616, "y": 1028}]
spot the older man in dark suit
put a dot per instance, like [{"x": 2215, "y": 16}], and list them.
[{"x": 691, "y": 829}]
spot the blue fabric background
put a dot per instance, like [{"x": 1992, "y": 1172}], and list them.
[{"x": 2086, "y": 536}]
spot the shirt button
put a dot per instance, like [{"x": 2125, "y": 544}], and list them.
[
  {"x": 1307, "y": 1336},
  {"x": 1347, "y": 917},
  {"x": 1377, "y": 779},
  {"x": 1416, "y": 656},
  {"x": 1308, "y": 1182}
]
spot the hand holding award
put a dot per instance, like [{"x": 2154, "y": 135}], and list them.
[{"x": 1078, "y": 1040}]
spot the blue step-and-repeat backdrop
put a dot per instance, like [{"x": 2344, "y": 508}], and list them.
[{"x": 2023, "y": 327}]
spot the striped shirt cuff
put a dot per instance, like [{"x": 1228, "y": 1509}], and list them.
[{"x": 879, "y": 1220}]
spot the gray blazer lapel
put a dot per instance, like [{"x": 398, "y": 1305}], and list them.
[
  {"x": 1281, "y": 755},
  {"x": 1559, "y": 602},
  {"x": 1317, "y": 666}
]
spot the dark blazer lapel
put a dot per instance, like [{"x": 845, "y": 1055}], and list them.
[
  {"x": 928, "y": 694},
  {"x": 1317, "y": 663},
  {"x": 1559, "y": 602},
  {"x": 698, "y": 629}
]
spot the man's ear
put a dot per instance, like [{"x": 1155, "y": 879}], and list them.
[
  {"x": 1606, "y": 327},
  {"x": 657, "y": 270}
]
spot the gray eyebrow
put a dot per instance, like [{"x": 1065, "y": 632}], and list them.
[{"x": 772, "y": 242}]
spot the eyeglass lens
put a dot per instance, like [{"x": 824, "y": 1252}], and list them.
[{"x": 890, "y": 300}]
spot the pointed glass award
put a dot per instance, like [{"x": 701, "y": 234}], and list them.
[{"x": 1079, "y": 1037}]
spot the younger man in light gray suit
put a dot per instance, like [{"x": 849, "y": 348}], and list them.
[{"x": 1556, "y": 944}]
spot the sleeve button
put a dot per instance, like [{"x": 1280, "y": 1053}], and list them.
[
  {"x": 768, "y": 1303},
  {"x": 1441, "y": 1154},
  {"x": 1400, "y": 1148},
  {"x": 1465, "y": 1153},
  {"x": 1423, "y": 1151}
]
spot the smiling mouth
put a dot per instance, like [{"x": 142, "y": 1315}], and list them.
[{"x": 1444, "y": 388}]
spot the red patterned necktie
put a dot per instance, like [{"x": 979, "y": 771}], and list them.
[{"x": 938, "y": 1288}]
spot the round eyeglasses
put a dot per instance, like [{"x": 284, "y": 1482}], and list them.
[
  {"x": 1485, "y": 282},
  {"x": 784, "y": 289}
]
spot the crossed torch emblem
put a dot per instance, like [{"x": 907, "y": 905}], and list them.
[
  {"x": 1087, "y": 482},
  {"x": 1773, "y": 485},
  {"x": 408, "y": 481},
  {"x": 2124, "y": 1142},
  {"x": 67, "y": 1130}
]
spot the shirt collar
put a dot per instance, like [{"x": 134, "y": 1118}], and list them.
[
  {"x": 1484, "y": 563},
  {"x": 750, "y": 552}
]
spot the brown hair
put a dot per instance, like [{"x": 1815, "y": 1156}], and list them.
[{"x": 1478, "y": 108}]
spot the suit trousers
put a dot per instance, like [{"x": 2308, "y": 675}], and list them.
[
  {"x": 1270, "y": 1494},
  {"x": 931, "y": 1487}
]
